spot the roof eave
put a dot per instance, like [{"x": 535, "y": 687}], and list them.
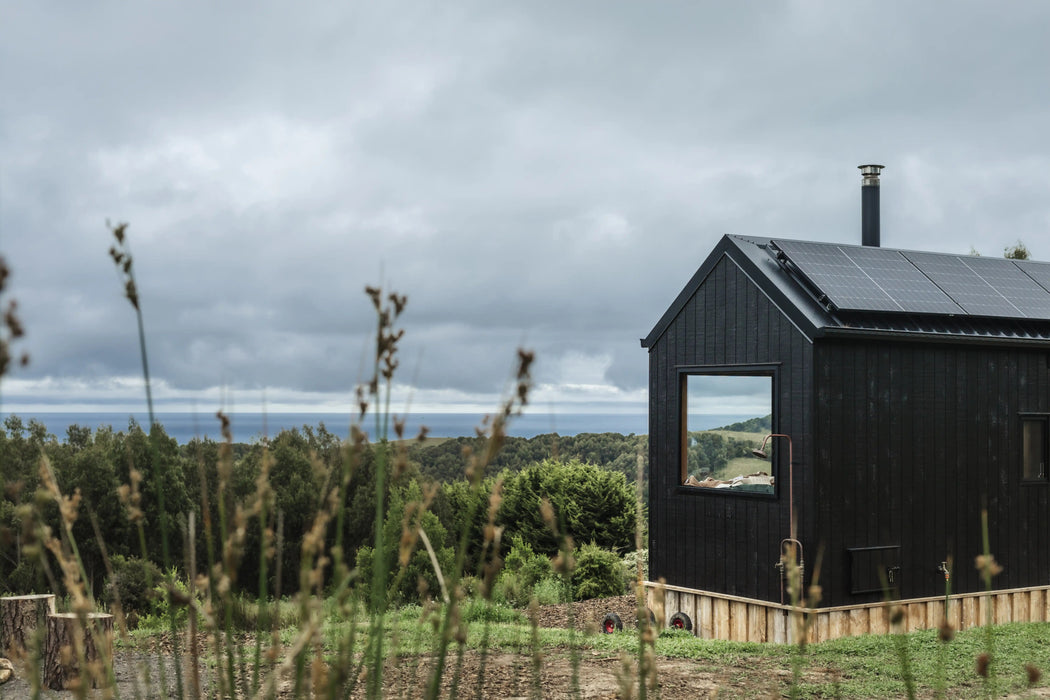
[{"x": 845, "y": 333}]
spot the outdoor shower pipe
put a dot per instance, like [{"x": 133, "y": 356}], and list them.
[{"x": 761, "y": 452}]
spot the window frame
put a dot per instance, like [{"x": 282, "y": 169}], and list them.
[
  {"x": 770, "y": 370},
  {"x": 1044, "y": 420}
]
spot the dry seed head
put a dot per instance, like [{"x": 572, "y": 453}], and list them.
[
  {"x": 896, "y": 615},
  {"x": 987, "y": 565},
  {"x": 525, "y": 359},
  {"x": 399, "y": 303},
  {"x": 224, "y": 424},
  {"x": 362, "y": 402},
  {"x": 547, "y": 511},
  {"x": 375, "y": 295},
  {"x": 1033, "y": 672},
  {"x": 946, "y": 632},
  {"x": 13, "y": 489},
  {"x": 400, "y": 465},
  {"x": 461, "y": 633},
  {"x": 495, "y": 499},
  {"x": 422, "y": 436},
  {"x": 983, "y": 662},
  {"x": 68, "y": 506},
  {"x": 14, "y": 326},
  {"x": 358, "y": 436},
  {"x": 491, "y": 533}
]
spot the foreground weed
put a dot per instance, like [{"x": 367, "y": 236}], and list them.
[
  {"x": 477, "y": 463},
  {"x": 120, "y": 252},
  {"x": 988, "y": 568}
]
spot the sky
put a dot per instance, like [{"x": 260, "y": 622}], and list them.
[{"x": 545, "y": 175}]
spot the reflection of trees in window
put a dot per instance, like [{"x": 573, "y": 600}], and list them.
[
  {"x": 716, "y": 450},
  {"x": 1034, "y": 447}
]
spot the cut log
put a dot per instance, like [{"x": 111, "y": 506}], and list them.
[
  {"x": 20, "y": 617},
  {"x": 69, "y": 643}
]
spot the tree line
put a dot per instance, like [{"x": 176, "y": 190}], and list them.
[{"x": 587, "y": 479}]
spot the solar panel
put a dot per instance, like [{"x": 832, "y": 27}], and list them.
[
  {"x": 905, "y": 284},
  {"x": 859, "y": 278},
  {"x": 1038, "y": 271},
  {"x": 1011, "y": 282},
  {"x": 855, "y": 278},
  {"x": 962, "y": 279},
  {"x": 829, "y": 269}
]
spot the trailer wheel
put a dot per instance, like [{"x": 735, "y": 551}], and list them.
[
  {"x": 611, "y": 623},
  {"x": 681, "y": 621}
]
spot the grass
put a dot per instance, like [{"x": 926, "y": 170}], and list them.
[{"x": 737, "y": 435}]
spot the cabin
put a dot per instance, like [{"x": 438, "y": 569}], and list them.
[{"x": 908, "y": 394}]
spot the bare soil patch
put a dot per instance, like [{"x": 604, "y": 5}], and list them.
[{"x": 507, "y": 676}]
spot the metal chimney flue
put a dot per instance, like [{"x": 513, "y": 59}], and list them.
[{"x": 869, "y": 205}]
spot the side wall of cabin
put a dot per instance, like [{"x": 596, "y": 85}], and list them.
[
  {"x": 707, "y": 539},
  {"x": 912, "y": 440}
]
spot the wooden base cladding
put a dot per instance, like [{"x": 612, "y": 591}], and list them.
[{"x": 716, "y": 616}]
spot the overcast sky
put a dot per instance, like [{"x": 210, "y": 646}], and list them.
[{"x": 539, "y": 174}]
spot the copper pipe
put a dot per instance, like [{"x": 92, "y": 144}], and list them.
[{"x": 760, "y": 452}]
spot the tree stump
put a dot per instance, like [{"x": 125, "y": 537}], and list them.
[
  {"x": 20, "y": 617},
  {"x": 68, "y": 643}
]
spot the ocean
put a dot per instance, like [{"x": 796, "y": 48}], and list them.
[{"x": 250, "y": 426}]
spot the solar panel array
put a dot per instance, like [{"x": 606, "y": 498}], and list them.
[{"x": 856, "y": 278}]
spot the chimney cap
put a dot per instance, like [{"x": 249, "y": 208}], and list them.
[{"x": 870, "y": 174}]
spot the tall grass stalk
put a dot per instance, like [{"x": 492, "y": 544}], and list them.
[
  {"x": 121, "y": 254},
  {"x": 646, "y": 632},
  {"x": 384, "y": 364},
  {"x": 988, "y": 568},
  {"x": 476, "y": 465},
  {"x": 945, "y": 633}
]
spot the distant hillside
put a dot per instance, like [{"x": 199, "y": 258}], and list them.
[
  {"x": 751, "y": 425},
  {"x": 445, "y": 462}
]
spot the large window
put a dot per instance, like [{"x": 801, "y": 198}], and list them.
[
  {"x": 1034, "y": 447},
  {"x": 725, "y": 414}
]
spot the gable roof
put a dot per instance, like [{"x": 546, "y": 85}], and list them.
[{"x": 829, "y": 289}]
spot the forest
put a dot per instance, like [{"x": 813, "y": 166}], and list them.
[{"x": 588, "y": 478}]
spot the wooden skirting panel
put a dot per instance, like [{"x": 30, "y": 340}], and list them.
[{"x": 717, "y": 616}]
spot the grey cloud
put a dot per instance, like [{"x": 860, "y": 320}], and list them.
[{"x": 548, "y": 175}]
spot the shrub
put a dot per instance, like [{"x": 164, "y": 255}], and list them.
[
  {"x": 598, "y": 574},
  {"x": 133, "y": 582},
  {"x": 630, "y": 567},
  {"x": 522, "y": 570},
  {"x": 550, "y": 591},
  {"x": 25, "y": 578},
  {"x": 591, "y": 504},
  {"x": 405, "y": 583}
]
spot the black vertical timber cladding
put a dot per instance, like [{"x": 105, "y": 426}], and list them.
[
  {"x": 896, "y": 443},
  {"x": 712, "y": 541},
  {"x": 915, "y": 440}
]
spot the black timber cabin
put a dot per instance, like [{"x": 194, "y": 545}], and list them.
[{"x": 915, "y": 388}]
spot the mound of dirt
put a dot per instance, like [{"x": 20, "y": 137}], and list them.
[{"x": 588, "y": 614}]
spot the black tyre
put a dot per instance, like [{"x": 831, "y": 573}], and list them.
[
  {"x": 611, "y": 623},
  {"x": 681, "y": 621}
]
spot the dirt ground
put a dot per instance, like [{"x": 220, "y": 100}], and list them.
[{"x": 507, "y": 676}]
